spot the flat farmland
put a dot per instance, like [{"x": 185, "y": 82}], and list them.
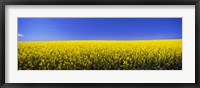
[{"x": 100, "y": 55}]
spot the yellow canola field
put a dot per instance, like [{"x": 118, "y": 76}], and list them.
[{"x": 100, "y": 55}]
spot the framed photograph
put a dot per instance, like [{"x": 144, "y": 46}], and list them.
[{"x": 71, "y": 43}]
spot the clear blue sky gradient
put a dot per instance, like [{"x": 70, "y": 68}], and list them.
[{"x": 47, "y": 29}]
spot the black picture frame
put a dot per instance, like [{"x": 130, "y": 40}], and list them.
[{"x": 98, "y": 2}]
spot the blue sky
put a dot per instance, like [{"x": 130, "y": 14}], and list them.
[{"x": 47, "y": 29}]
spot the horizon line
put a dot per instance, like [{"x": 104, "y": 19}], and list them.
[{"x": 100, "y": 40}]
